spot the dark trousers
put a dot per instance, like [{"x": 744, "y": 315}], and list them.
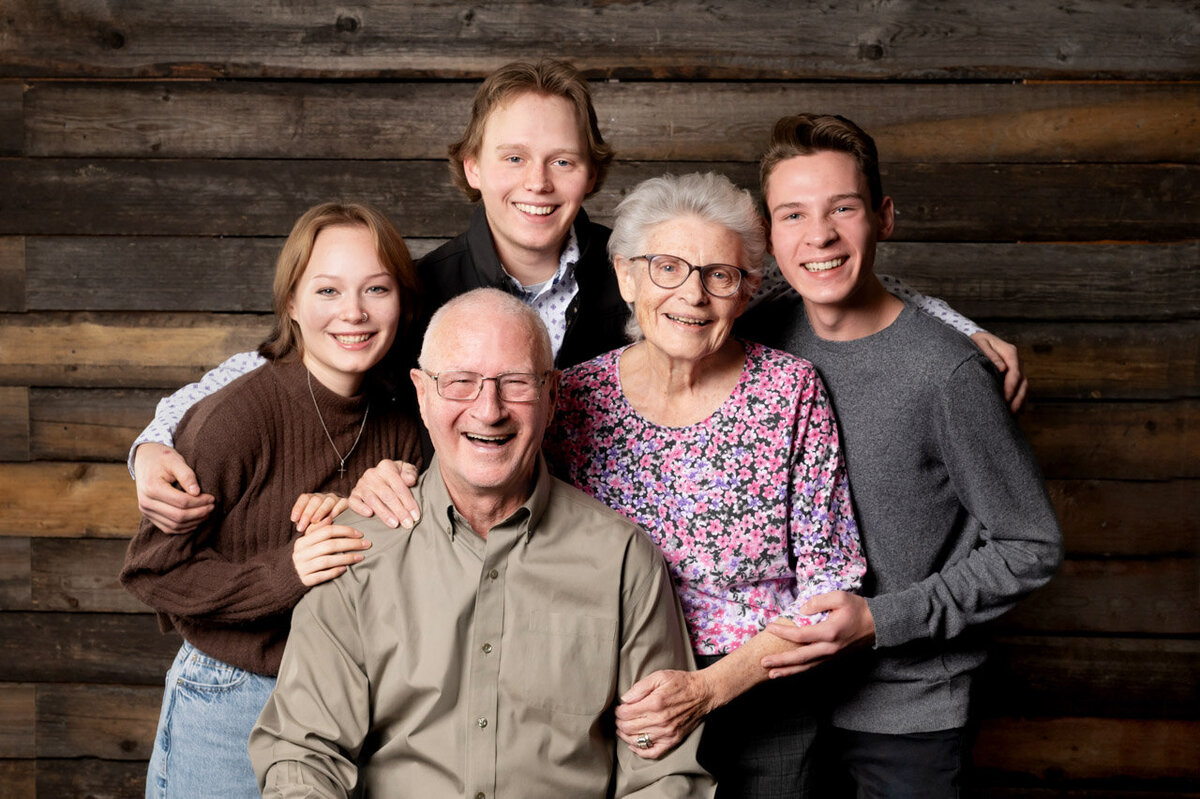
[
  {"x": 760, "y": 745},
  {"x": 868, "y": 765}
]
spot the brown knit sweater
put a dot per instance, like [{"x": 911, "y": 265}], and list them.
[{"x": 229, "y": 586}]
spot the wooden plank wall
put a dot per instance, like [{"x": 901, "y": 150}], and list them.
[{"x": 1043, "y": 158}]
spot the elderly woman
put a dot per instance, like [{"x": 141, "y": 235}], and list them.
[
  {"x": 312, "y": 419},
  {"x": 726, "y": 452}
]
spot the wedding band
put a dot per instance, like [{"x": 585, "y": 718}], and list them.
[{"x": 644, "y": 742}]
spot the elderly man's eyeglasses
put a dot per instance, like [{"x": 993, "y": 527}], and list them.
[
  {"x": 670, "y": 271},
  {"x": 466, "y": 386}
]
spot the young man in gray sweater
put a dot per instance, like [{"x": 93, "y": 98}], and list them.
[{"x": 952, "y": 508}]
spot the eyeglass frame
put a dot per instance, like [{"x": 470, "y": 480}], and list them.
[
  {"x": 742, "y": 273},
  {"x": 540, "y": 381}
]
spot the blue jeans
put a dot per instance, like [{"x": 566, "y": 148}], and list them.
[{"x": 208, "y": 710}]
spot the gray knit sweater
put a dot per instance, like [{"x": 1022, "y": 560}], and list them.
[{"x": 953, "y": 512}]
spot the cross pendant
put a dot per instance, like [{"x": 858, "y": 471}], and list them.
[{"x": 342, "y": 469}]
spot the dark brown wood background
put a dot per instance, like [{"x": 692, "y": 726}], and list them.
[{"x": 1043, "y": 158}]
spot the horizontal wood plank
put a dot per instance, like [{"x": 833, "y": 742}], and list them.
[
  {"x": 113, "y": 722},
  {"x": 116, "y": 648},
  {"x": 12, "y": 117},
  {"x": 80, "y": 575},
  {"x": 1070, "y": 360},
  {"x": 134, "y": 350},
  {"x": 935, "y": 202},
  {"x": 1072, "y": 440},
  {"x": 12, "y": 273},
  {"x": 14, "y": 423},
  {"x": 1086, "y": 675},
  {"x": 1026, "y": 281},
  {"x": 771, "y": 39},
  {"x": 18, "y": 715},
  {"x": 19, "y": 779},
  {"x": 16, "y": 584},
  {"x": 653, "y": 121},
  {"x": 91, "y": 777},
  {"x": 1106, "y": 440},
  {"x": 71, "y": 500},
  {"x": 1120, "y": 597},
  {"x": 1106, "y": 518},
  {"x": 1077, "y": 749}
]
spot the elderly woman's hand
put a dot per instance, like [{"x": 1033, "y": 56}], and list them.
[{"x": 665, "y": 706}]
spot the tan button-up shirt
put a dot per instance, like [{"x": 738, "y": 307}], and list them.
[{"x": 445, "y": 664}]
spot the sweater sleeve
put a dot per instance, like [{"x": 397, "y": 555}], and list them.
[
  {"x": 1017, "y": 541},
  {"x": 171, "y": 409},
  {"x": 823, "y": 531},
  {"x": 188, "y": 575}
]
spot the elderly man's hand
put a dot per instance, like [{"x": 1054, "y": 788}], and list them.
[
  {"x": 385, "y": 490},
  {"x": 157, "y": 469},
  {"x": 849, "y": 624},
  {"x": 666, "y": 706}
]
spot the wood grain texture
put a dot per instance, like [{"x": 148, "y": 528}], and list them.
[
  {"x": 135, "y": 350},
  {"x": 73, "y": 500},
  {"x": 113, "y": 722},
  {"x": 87, "y": 424},
  {"x": 12, "y": 116},
  {"x": 80, "y": 575},
  {"x": 654, "y": 121},
  {"x": 90, "y": 777},
  {"x": 110, "y": 648},
  {"x": 935, "y": 202},
  {"x": 1108, "y": 518},
  {"x": 14, "y": 423},
  {"x": 18, "y": 715},
  {"x": 12, "y": 274},
  {"x": 774, "y": 39},
  {"x": 16, "y": 585}
]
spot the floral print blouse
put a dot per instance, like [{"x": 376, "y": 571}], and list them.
[{"x": 751, "y": 507}]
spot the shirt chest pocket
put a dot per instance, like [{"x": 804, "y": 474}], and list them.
[{"x": 567, "y": 661}]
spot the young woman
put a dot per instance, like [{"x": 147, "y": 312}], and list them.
[{"x": 311, "y": 420}]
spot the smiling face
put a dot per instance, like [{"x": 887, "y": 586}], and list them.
[
  {"x": 533, "y": 171},
  {"x": 823, "y": 229},
  {"x": 487, "y": 448},
  {"x": 684, "y": 323},
  {"x": 344, "y": 280}
]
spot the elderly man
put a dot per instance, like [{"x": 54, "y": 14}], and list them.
[{"x": 481, "y": 652}]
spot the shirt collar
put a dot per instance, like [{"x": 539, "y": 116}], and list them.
[
  {"x": 437, "y": 506},
  {"x": 565, "y": 273}
]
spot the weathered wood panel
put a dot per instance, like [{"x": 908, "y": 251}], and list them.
[
  {"x": 1121, "y": 597},
  {"x": 16, "y": 585},
  {"x": 1091, "y": 676},
  {"x": 117, "y": 648},
  {"x": 12, "y": 273},
  {"x": 12, "y": 116},
  {"x": 18, "y": 779},
  {"x": 1018, "y": 281},
  {"x": 14, "y": 423},
  {"x": 18, "y": 711},
  {"x": 659, "y": 120},
  {"x": 1071, "y": 749},
  {"x": 106, "y": 721},
  {"x": 942, "y": 202},
  {"x": 95, "y": 779},
  {"x": 131, "y": 350},
  {"x": 1052, "y": 282},
  {"x": 1134, "y": 441},
  {"x": 79, "y": 575},
  {"x": 1106, "y": 518},
  {"x": 87, "y": 424},
  {"x": 75, "y": 500},
  {"x": 1062, "y": 360},
  {"x": 774, "y": 39},
  {"x": 1072, "y": 440}
]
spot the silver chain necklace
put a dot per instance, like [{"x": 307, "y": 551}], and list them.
[{"x": 341, "y": 458}]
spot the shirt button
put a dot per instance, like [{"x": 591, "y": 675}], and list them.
[
  {"x": 493, "y": 574},
  {"x": 487, "y": 649},
  {"x": 481, "y": 721}
]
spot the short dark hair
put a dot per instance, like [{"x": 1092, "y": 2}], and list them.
[
  {"x": 805, "y": 134},
  {"x": 547, "y": 77}
]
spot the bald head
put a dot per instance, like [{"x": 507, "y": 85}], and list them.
[{"x": 486, "y": 308}]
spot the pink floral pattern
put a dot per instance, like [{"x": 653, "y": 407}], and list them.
[{"x": 751, "y": 507}]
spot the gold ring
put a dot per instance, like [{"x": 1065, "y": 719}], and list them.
[{"x": 644, "y": 742}]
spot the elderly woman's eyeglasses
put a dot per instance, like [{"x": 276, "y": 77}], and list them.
[
  {"x": 511, "y": 386},
  {"x": 670, "y": 271}
]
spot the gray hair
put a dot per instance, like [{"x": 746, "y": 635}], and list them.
[
  {"x": 497, "y": 301},
  {"x": 708, "y": 196}
]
